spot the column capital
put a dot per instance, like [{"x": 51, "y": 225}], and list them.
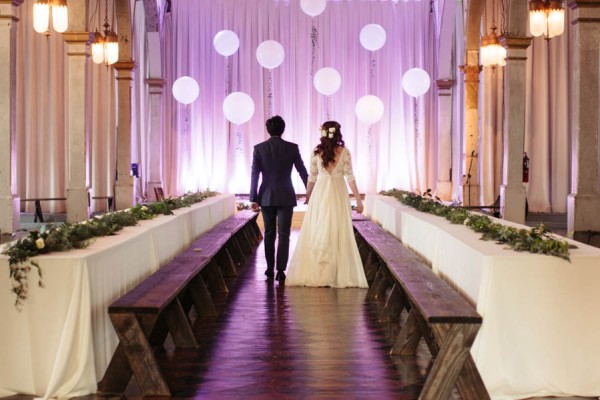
[
  {"x": 124, "y": 65},
  {"x": 444, "y": 86},
  {"x": 515, "y": 42},
  {"x": 471, "y": 72},
  {"x": 155, "y": 82},
  {"x": 8, "y": 9},
  {"x": 573, "y": 4},
  {"x": 78, "y": 37}
]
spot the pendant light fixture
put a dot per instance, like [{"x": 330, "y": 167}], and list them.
[
  {"x": 105, "y": 49},
  {"x": 491, "y": 53},
  {"x": 546, "y": 18},
  {"x": 41, "y": 15}
]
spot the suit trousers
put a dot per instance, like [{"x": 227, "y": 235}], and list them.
[{"x": 278, "y": 221}]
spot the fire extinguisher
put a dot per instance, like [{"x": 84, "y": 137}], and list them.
[{"x": 525, "y": 168}]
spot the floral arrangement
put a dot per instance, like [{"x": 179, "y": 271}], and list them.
[
  {"x": 534, "y": 240},
  {"x": 330, "y": 132},
  {"x": 79, "y": 235}
]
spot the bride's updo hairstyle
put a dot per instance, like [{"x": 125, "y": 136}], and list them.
[{"x": 331, "y": 137}]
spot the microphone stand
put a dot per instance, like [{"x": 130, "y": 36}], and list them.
[{"x": 469, "y": 177}]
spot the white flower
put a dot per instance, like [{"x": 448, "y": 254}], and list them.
[
  {"x": 332, "y": 130},
  {"x": 404, "y": 195},
  {"x": 40, "y": 243},
  {"x": 466, "y": 221},
  {"x": 323, "y": 132},
  {"x": 144, "y": 208},
  {"x": 83, "y": 222}
]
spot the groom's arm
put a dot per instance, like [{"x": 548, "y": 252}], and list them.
[
  {"x": 256, "y": 170},
  {"x": 299, "y": 164}
]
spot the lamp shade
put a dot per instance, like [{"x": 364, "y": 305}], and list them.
[
  {"x": 41, "y": 15},
  {"x": 111, "y": 48},
  {"x": 537, "y": 22},
  {"x": 98, "y": 48},
  {"x": 556, "y": 22},
  {"x": 60, "y": 15}
]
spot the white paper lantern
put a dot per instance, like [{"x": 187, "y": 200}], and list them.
[
  {"x": 369, "y": 109},
  {"x": 226, "y": 43},
  {"x": 238, "y": 107},
  {"x": 185, "y": 90},
  {"x": 415, "y": 82},
  {"x": 372, "y": 37},
  {"x": 327, "y": 81},
  {"x": 313, "y": 7},
  {"x": 270, "y": 54}
]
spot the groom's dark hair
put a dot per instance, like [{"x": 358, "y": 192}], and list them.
[{"x": 275, "y": 126}]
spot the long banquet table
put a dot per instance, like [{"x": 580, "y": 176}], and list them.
[
  {"x": 541, "y": 314},
  {"x": 60, "y": 344}
]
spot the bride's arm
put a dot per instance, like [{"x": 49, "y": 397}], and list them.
[{"x": 349, "y": 174}]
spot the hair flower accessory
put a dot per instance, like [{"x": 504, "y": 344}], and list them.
[
  {"x": 323, "y": 132},
  {"x": 331, "y": 132}
]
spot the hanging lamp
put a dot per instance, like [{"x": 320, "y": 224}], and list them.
[
  {"x": 546, "y": 18},
  {"x": 41, "y": 15}
]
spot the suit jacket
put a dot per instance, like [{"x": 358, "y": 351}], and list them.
[{"x": 274, "y": 159}]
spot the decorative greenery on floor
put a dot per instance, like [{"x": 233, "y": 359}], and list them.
[
  {"x": 534, "y": 240},
  {"x": 79, "y": 235}
]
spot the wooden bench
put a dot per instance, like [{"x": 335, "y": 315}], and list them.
[
  {"x": 160, "y": 305},
  {"x": 436, "y": 312}
]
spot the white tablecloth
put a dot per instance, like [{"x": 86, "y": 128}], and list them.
[
  {"x": 60, "y": 344},
  {"x": 541, "y": 314}
]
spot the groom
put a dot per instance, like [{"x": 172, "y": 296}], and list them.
[{"x": 274, "y": 159}]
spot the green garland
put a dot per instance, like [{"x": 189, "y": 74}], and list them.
[
  {"x": 534, "y": 240},
  {"x": 79, "y": 235}
]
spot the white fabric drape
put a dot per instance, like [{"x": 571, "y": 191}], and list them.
[
  {"x": 547, "y": 135},
  {"x": 42, "y": 119},
  {"x": 204, "y": 150}
]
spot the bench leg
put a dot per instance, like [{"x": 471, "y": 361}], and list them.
[
  {"x": 235, "y": 250},
  {"x": 139, "y": 355},
  {"x": 393, "y": 306},
  {"x": 216, "y": 283},
  {"x": 244, "y": 241},
  {"x": 226, "y": 263},
  {"x": 250, "y": 234},
  {"x": 117, "y": 375},
  {"x": 455, "y": 342},
  {"x": 201, "y": 298},
  {"x": 407, "y": 341},
  {"x": 371, "y": 265},
  {"x": 377, "y": 281},
  {"x": 179, "y": 325}
]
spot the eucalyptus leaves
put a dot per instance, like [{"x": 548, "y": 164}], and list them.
[
  {"x": 79, "y": 235},
  {"x": 534, "y": 240}
]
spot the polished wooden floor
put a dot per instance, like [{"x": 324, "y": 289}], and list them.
[{"x": 276, "y": 342}]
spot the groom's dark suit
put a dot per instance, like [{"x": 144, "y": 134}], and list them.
[{"x": 274, "y": 159}]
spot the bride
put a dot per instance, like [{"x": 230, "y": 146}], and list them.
[{"x": 326, "y": 253}]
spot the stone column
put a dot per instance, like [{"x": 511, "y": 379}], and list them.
[
  {"x": 512, "y": 191},
  {"x": 9, "y": 202},
  {"x": 155, "y": 130},
  {"x": 77, "y": 190},
  {"x": 470, "y": 187},
  {"x": 444, "y": 180},
  {"x": 583, "y": 203},
  {"x": 124, "y": 185}
]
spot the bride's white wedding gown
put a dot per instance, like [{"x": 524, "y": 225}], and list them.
[{"x": 326, "y": 253}]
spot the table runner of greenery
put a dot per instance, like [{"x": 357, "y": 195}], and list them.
[
  {"x": 79, "y": 235},
  {"x": 534, "y": 240}
]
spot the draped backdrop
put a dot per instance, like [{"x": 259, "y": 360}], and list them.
[
  {"x": 200, "y": 149},
  {"x": 204, "y": 150},
  {"x": 547, "y": 123}
]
